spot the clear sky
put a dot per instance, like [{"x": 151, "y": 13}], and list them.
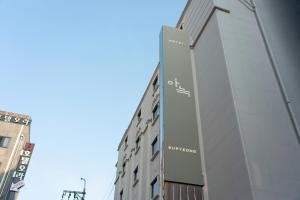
[{"x": 79, "y": 69}]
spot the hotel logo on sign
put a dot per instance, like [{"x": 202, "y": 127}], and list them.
[
  {"x": 177, "y": 42},
  {"x": 179, "y": 88}
]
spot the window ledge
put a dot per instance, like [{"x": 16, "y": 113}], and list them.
[
  {"x": 139, "y": 121},
  {"x": 116, "y": 180},
  {"x": 154, "y": 91},
  {"x": 123, "y": 174},
  {"x": 137, "y": 150},
  {"x": 135, "y": 182},
  {"x": 154, "y": 155},
  {"x": 154, "y": 120}
]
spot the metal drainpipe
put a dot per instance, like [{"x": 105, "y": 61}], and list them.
[{"x": 277, "y": 74}]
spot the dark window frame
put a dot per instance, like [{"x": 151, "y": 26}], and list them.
[
  {"x": 155, "y": 111},
  {"x": 154, "y": 146},
  {"x": 137, "y": 142},
  {"x": 126, "y": 142},
  {"x": 155, "y": 84},
  {"x": 181, "y": 26},
  {"x": 154, "y": 188},
  {"x": 121, "y": 194},
  {"x": 139, "y": 115},
  {"x": 136, "y": 174},
  {"x": 123, "y": 167},
  {"x": 3, "y": 141}
]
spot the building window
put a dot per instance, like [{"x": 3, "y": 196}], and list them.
[
  {"x": 4, "y": 142},
  {"x": 135, "y": 174},
  {"x": 181, "y": 27},
  {"x": 154, "y": 146},
  {"x": 123, "y": 169},
  {"x": 121, "y": 195},
  {"x": 139, "y": 115},
  {"x": 155, "y": 84},
  {"x": 126, "y": 142},
  {"x": 155, "y": 111},
  {"x": 124, "y": 166},
  {"x": 154, "y": 188},
  {"x": 137, "y": 142}
]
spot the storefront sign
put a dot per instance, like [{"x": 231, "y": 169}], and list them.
[{"x": 22, "y": 166}]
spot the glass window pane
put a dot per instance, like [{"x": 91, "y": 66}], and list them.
[
  {"x": 154, "y": 188},
  {"x": 4, "y": 142},
  {"x": 154, "y": 146}
]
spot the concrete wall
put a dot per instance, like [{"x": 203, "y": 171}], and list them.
[
  {"x": 226, "y": 171},
  {"x": 280, "y": 21},
  {"x": 195, "y": 18},
  {"x": 250, "y": 146},
  {"x": 270, "y": 143}
]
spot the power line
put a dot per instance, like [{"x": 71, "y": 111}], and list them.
[
  {"x": 112, "y": 188},
  {"x": 108, "y": 192},
  {"x": 76, "y": 195}
]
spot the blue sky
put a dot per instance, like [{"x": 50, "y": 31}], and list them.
[{"x": 79, "y": 68}]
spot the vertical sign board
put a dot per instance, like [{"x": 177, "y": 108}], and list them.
[
  {"x": 179, "y": 132},
  {"x": 19, "y": 174}
]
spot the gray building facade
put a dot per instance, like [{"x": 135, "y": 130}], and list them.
[
  {"x": 246, "y": 73},
  {"x": 138, "y": 166}
]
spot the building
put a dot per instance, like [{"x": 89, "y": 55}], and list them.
[
  {"x": 138, "y": 160},
  {"x": 15, "y": 152},
  {"x": 245, "y": 85}
]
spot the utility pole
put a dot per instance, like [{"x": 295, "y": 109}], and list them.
[
  {"x": 75, "y": 195},
  {"x": 84, "y": 188}
]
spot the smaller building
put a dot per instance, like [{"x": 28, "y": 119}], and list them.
[{"x": 15, "y": 152}]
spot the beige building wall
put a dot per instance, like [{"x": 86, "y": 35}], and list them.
[{"x": 19, "y": 134}]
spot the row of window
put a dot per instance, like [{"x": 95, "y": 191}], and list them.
[
  {"x": 4, "y": 141},
  {"x": 155, "y": 115},
  {"x": 155, "y": 111},
  {"x": 154, "y": 149},
  {"x": 154, "y": 146},
  {"x": 154, "y": 188}
]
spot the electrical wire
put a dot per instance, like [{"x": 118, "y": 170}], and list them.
[
  {"x": 109, "y": 192},
  {"x": 112, "y": 189}
]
